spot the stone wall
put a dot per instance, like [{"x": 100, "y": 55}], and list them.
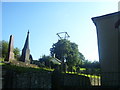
[
  {"x": 13, "y": 79},
  {"x": 41, "y": 79},
  {"x": 62, "y": 80}
]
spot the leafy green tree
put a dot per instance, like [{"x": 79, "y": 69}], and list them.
[
  {"x": 4, "y": 48},
  {"x": 16, "y": 53},
  {"x": 96, "y": 64},
  {"x": 66, "y": 49},
  {"x": 82, "y": 58},
  {"x": 46, "y": 60},
  {"x": 90, "y": 64},
  {"x": 87, "y": 64}
]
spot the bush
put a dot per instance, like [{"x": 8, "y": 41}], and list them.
[{"x": 1, "y": 59}]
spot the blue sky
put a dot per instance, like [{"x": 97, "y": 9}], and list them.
[{"x": 45, "y": 19}]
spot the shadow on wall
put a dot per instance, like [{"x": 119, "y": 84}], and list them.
[
  {"x": 42, "y": 79},
  {"x": 62, "y": 80}
]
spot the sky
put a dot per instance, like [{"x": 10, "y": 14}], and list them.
[{"x": 45, "y": 19}]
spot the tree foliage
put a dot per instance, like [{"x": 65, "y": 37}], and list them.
[
  {"x": 66, "y": 49},
  {"x": 4, "y": 50},
  {"x": 16, "y": 53},
  {"x": 90, "y": 64},
  {"x": 46, "y": 60}
]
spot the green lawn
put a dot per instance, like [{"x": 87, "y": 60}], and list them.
[
  {"x": 24, "y": 69},
  {"x": 92, "y": 76},
  {"x": 48, "y": 69},
  {"x": 21, "y": 69},
  {"x": 2, "y": 63},
  {"x": 1, "y": 59},
  {"x": 82, "y": 69},
  {"x": 87, "y": 75}
]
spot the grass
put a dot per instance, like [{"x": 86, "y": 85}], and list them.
[
  {"x": 87, "y": 75},
  {"x": 1, "y": 59},
  {"x": 21, "y": 66},
  {"x": 2, "y": 63},
  {"x": 20, "y": 69},
  {"x": 26, "y": 69},
  {"x": 82, "y": 69},
  {"x": 48, "y": 69}
]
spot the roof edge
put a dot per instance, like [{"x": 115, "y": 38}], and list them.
[{"x": 105, "y": 15}]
